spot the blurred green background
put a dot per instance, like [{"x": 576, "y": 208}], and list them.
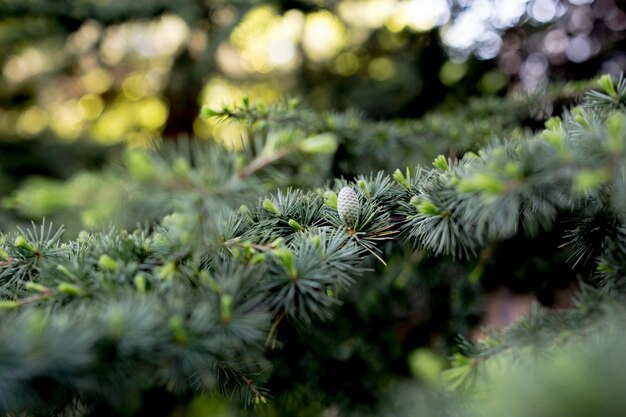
[
  {"x": 81, "y": 79},
  {"x": 115, "y": 71}
]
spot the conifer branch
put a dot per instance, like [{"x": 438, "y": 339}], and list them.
[
  {"x": 177, "y": 300},
  {"x": 261, "y": 162}
]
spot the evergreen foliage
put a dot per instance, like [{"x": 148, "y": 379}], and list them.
[
  {"x": 277, "y": 154},
  {"x": 200, "y": 299}
]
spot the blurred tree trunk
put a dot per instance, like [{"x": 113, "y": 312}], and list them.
[
  {"x": 189, "y": 73},
  {"x": 182, "y": 96}
]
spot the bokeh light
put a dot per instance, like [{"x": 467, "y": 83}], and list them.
[
  {"x": 324, "y": 36},
  {"x": 92, "y": 77}
]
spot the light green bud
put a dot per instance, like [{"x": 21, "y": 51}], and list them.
[
  {"x": 33, "y": 286},
  {"x": 326, "y": 143},
  {"x": 106, "y": 262},
  {"x": 269, "y": 206},
  {"x": 168, "y": 270},
  {"x": 441, "y": 163},
  {"x": 178, "y": 330},
  {"x": 21, "y": 242},
  {"x": 69, "y": 289},
  {"x": 587, "y": 180},
  {"x": 140, "y": 283},
  {"x": 287, "y": 259},
  {"x": 363, "y": 186},
  {"x": 296, "y": 225},
  {"x": 606, "y": 83},
  {"x": 316, "y": 241},
  {"x": 258, "y": 259},
  {"x": 226, "y": 307},
  {"x": 428, "y": 208},
  {"x": 615, "y": 129},
  {"x": 8, "y": 305},
  {"x": 401, "y": 179},
  {"x": 330, "y": 199}
]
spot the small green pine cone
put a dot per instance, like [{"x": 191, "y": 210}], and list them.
[{"x": 348, "y": 206}]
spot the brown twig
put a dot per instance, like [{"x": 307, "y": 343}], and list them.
[
  {"x": 259, "y": 163},
  {"x": 9, "y": 261},
  {"x": 35, "y": 298},
  {"x": 273, "y": 330},
  {"x": 258, "y": 397}
]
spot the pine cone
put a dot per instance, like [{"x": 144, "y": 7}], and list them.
[{"x": 348, "y": 206}]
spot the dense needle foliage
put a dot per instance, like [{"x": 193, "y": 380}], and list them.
[{"x": 206, "y": 297}]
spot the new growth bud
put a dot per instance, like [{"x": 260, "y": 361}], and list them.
[
  {"x": 106, "y": 262},
  {"x": 8, "y": 304},
  {"x": 140, "y": 283},
  {"x": 401, "y": 179},
  {"x": 22, "y": 243},
  {"x": 245, "y": 211},
  {"x": 269, "y": 206},
  {"x": 33, "y": 286},
  {"x": 178, "y": 330},
  {"x": 606, "y": 83},
  {"x": 324, "y": 143},
  {"x": 441, "y": 163},
  {"x": 363, "y": 186},
  {"x": 286, "y": 257},
  {"x": 330, "y": 199},
  {"x": 69, "y": 289},
  {"x": 226, "y": 307},
  {"x": 296, "y": 225}
]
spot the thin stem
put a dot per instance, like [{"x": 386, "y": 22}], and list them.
[
  {"x": 36, "y": 298},
  {"x": 258, "y": 397},
  {"x": 9, "y": 261},
  {"x": 273, "y": 330},
  {"x": 259, "y": 163}
]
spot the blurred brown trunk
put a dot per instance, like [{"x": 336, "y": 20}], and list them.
[
  {"x": 182, "y": 95},
  {"x": 190, "y": 72}
]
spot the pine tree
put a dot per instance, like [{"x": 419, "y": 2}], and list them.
[{"x": 216, "y": 284}]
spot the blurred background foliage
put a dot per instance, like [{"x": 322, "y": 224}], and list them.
[
  {"x": 84, "y": 83},
  {"x": 118, "y": 72},
  {"x": 112, "y": 73}
]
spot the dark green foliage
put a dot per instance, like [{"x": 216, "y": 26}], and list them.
[{"x": 194, "y": 301}]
